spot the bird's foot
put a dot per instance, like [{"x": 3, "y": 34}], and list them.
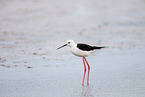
[
  {"x": 87, "y": 84},
  {"x": 83, "y": 85}
]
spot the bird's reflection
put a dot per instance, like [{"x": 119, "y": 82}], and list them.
[{"x": 87, "y": 91}]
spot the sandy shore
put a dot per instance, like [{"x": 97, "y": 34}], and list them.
[{"x": 31, "y": 30}]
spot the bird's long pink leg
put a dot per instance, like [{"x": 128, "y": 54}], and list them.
[
  {"x": 88, "y": 71},
  {"x": 84, "y": 71}
]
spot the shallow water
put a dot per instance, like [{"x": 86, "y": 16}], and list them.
[
  {"x": 31, "y": 31},
  {"x": 110, "y": 75}
]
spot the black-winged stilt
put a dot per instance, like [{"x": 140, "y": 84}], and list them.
[{"x": 82, "y": 50}]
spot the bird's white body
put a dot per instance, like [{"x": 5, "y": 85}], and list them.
[{"x": 78, "y": 52}]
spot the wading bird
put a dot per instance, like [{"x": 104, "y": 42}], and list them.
[{"x": 82, "y": 50}]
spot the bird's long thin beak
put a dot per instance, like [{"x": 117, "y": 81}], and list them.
[{"x": 62, "y": 46}]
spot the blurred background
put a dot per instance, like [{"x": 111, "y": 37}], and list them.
[
  {"x": 32, "y": 30},
  {"x": 30, "y": 26}
]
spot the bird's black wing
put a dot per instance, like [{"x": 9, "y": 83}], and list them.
[{"x": 86, "y": 47}]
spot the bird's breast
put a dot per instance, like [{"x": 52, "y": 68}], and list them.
[{"x": 79, "y": 52}]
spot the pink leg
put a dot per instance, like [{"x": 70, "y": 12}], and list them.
[
  {"x": 88, "y": 71},
  {"x": 84, "y": 71}
]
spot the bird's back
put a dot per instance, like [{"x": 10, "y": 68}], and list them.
[{"x": 86, "y": 47}]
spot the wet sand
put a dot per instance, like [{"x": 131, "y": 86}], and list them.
[{"x": 31, "y": 30}]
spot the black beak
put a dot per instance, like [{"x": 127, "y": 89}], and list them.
[{"x": 62, "y": 46}]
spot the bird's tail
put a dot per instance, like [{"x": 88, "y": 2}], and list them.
[{"x": 96, "y": 47}]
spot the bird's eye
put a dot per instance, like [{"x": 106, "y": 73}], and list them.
[{"x": 68, "y": 42}]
